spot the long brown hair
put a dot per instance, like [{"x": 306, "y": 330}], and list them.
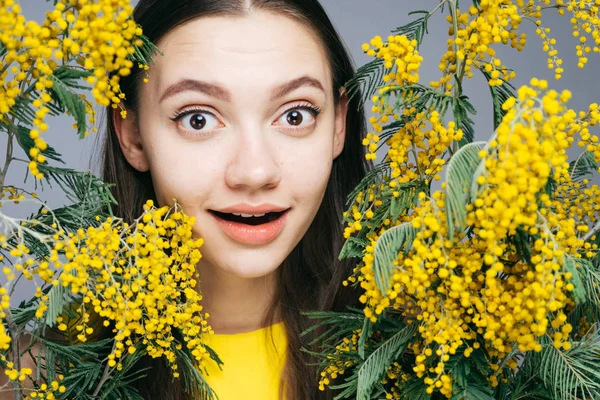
[{"x": 310, "y": 277}]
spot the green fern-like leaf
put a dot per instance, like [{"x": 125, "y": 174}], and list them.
[
  {"x": 145, "y": 53},
  {"x": 499, "y": 95},
  {"x": 375, "y": 366},
  {"x": 459, "y": 177},
  {"x": 353, "y": 248},
  {"x": 389, "y": 244},
  {"x": 579, "y": 292},
  {"x": 27, "y": 143},
  {"x": 193, "y": 381},
  {"x": 415, "y": 29},
  {"x": 583, "y": 167},
  {"x": 462, "y": 109},
  {"x": 62, "y": 92},
  {"x": 574, "y": 373},
  {"x": 366, "y": 80}
]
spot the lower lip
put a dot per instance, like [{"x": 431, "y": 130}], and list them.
[{"x": 253, "y": 234}]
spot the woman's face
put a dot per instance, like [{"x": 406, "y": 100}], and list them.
[{"x": 228, "y": 126}]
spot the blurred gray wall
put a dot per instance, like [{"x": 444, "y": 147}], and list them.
[{"x": 357, "y": 22}]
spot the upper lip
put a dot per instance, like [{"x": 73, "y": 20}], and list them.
[{"x": 245, "y": 208}]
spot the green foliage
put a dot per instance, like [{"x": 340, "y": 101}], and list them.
[
  {"x": 353, "y": 248},
  {"x": 193, "y": 381},
  {"x": 366, "y": 80},
  {"x": 583, "y": 167},
  {"x": 90, "y": 197},
  {"x": 416, "y": 29},
  {"x": 26, "y": 143},
  {"x": 390, "y": 243},
  {"x": 579, "y": 292},
  {"x": 145, "y": 53},
  {"x": 573, "y": 373},
  {"x": 332, "y": 326},
  {"x": 65, "y": 81},
  {"x": 374, "y": 367},
  {"x": 499, "y": 95},
  {"x": 469, "y": 377},
  {"x": 460, "y": 175},
  {"x": 462, "y": 109}
]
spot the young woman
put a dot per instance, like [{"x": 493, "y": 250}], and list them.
[{"x": 244, "y": 121}]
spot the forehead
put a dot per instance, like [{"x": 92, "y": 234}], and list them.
[{"x": 255, "y": 52}]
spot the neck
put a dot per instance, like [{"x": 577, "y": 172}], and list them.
[{"x": 235, "y": 304}]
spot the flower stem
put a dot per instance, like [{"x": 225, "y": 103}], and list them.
[
  {"x": 9, "y": 151},
  {"x": 15, "y": 334},
  {"x": 105, "y": 377}
]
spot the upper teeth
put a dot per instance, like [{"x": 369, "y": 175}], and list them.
[{"x": 248, "y": 215}]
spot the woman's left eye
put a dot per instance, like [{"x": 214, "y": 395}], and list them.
[{"x": 297, "y": 116}]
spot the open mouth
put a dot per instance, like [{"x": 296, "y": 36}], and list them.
[
  {"x": 253, "y": 229},
  {"x": 249, "y": 219}
]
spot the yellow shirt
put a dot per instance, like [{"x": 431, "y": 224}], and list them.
[{"x": 252, "y": 364}]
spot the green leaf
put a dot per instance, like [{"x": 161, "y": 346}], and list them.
[
  {"x": 579, "y": 292},
  {"x": 589, "y": 278},
  {"x": 57, "y": 299},
  {"x": 462, "y": 109},
  {"x": 574, "y": 373},
  {"x": 353, "y": 248},
  {"x": 414, "y": 389},
  {"x": 333, "y": 324},
  {"x": 27, "y": 143},
  {"x": 415, "y": 29},
  {"x": 193, "y": 381},
  {"x": 145, "y": 53},
  {"x": 474, "y": 392},
  {"x": 583, "y": 167},
  {"x": 387, "y": 247},
  {"x": 459, "y": 177},
  {"x": 375, "y": 366},
  {"x": 62, "y": 92},
  {"x": 365, "y": 334},
  {"x": 499, "y": 95},
  {"x": 366, "y": 80}
]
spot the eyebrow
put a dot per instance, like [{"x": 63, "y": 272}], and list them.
[{"x": 219, "y": 92}]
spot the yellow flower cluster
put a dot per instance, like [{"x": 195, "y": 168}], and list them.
[
  {"x": 13, "y": 194},
  {"x": 401, "y": 60},
  {"x": 338, "y": 366},
  {"x": 143, "y": 280},
  {"x": 138, "y": 279},
  {"x": 475, "y": 33},
  {"x": 478, "y": 291},
  {"x": 582, "y": 126},
  {"x": 425, "y": 137},
  {"x": 355, "y": 223},
  {"x": 101, "y": 36},
  {"x": 14, "y": 374},
  {"x": 584, "y": 20},
  {"x": 473, "y": 36},
  {"x": 48, "y": 391}
]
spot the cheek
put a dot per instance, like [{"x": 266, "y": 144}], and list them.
[
  {"x": 306, "y": 171},
  {"x": 178, "y": 172}
]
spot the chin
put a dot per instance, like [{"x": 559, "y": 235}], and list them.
[
  {"x": 253, "y": 271},
  {"x": 243, "y": 262}
]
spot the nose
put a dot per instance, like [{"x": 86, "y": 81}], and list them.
[{"x": 254, "y": 164}]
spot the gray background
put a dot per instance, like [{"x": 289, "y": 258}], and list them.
[{"x": 357, "y": 21}]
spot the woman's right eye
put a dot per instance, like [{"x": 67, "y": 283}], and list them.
[{"x": 197, "y": 120}]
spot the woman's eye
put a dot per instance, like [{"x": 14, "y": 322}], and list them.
[
  {"x": 299, "y": 116},
  {"x": 196, "y": 120}
]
